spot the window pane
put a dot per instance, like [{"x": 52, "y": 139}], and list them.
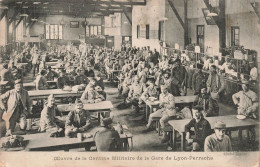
[
  {"x": 56, "y": 35},
  {"x": 60, "y": 32},
  {"x": 236, "y": 31},
  {"x": 47, "y": 33},
  {"x": 99, "y": 30},
  {"x": 87, "y": 31},
  {"x": 52, "y": 30},
  {"x": 95, "y": 30},
  {"x": 91, "y": 30}
]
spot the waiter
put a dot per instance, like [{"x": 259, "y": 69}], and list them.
[{"x": 18, "y": 107}]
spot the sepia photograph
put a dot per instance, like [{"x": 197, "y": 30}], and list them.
[{"x": 129, "y": 82}]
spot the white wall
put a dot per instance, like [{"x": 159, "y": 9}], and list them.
[
  {"x": 68, "y": 33},
  {"x": 196, "y": 17},
  {"x": 150, "y": 14},
  {"x": 3, "y": 37},
  {"x": 174, "y": 29},
  {"x": 241, "y": 14}
]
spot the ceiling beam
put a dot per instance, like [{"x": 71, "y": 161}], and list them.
[
  {"x": 17, "y": 24},
  {"x": 3, "y": 14},
  {"x": 176, "y": 13},
  {"x": 89, "y": 2},
  {"x": 186, "y": 38},
  {"x": 128, "y": 18},
  {"x": 256, "y": 6},
  {"x": 211, "y": 9}
]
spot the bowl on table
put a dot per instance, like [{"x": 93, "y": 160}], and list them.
[
  {"x": 152, "y": 99},
  {"x": 241, "y": 117}
]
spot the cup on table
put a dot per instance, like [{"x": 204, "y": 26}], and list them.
[
  {"x": 29, "y": 124},
  {"x": 79, "y": 136}
]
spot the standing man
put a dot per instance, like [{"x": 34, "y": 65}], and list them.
[
  {"x": 179, "y": 79},
  {"x": 18, "y": 107},
  {"x": 35, "y": 62},
  {"x": 218, "y": 142},
  {"x": 201, "y": 128},
  {"x": 215, "y": 85},
  {"x": 198, "y": 80}
]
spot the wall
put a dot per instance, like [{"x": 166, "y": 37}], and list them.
[
  {"x": 125, "y": 25},
  {"x": 174, "y": 29},
  {"x": 196, "y": 17},
  {"x": 3, "y": 36},
  {"x": 247, "y": 21},
  {"x": 151, "y": 14},
  {"x": 115, "y": 29}
]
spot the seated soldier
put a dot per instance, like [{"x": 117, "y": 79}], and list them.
[
  {"x": 246, "y": 101},
  {"x": 90, "y": 95},
  {"x": 77, "y": 121},
  {"x": 40, "y": 81},
  {"x": 89, "y": 72},
  {"x": 219, "y": 141},
  {"x": 135, "y": 92},
  {"x": 48, "y": 122},
  {"x": 164, "y": 80},
  {"x": 107, "y": 138},
  {"x": 150, "y": 91},
  {"x": 126, "y": 84},
  {"x": 51, "y": 74},
  {"x": 62, "y": 80},
  {"x": 80, "y": 78},
  {"x": 165, "y": 112},
  {"x": 204, "y": 100},
  {"x": 201, "y": 127}
]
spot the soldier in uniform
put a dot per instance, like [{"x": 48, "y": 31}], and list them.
[
  {"x": 166, "y": 110},
  {"x": 90, "y": 95},
  {"x": 40, "y": 81},
  {"x": 18, "y": 107},
  {"x": 107, "y": 138},
  {"x": 150, "y": 91},
  {"x": 77, "y": 121},
  {"x": 63, "y": 80},
  {"x": 51, "y": 74},
  {"x": 80, "y": 78},
  {"x": 48, "y": 122},
  {"x": 135, "y": 92},
  {"x": 179, "y": 79}
]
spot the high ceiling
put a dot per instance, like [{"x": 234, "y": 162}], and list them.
[{"x": 77, "y": 8}]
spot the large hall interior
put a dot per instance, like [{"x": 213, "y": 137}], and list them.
[{"x": 129, "y": 75}]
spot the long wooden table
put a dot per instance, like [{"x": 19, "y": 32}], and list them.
[
  {"x": 101, "y": 107},
  {"x": 32, "y": 85},
  {"x": 43, "y": 94},
  {"x": 232, "y": 123},
  {"x": 51, "y": 63},
  {"x": 150, "y": 105},
  {"x": 42, "y": 141}
]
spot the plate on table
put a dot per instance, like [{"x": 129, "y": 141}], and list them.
[
  {"x": 152, "y": 98},
  {"x": 241, "y": 117}
]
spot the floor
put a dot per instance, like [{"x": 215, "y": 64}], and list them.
[{"x": 151, "y": 142}]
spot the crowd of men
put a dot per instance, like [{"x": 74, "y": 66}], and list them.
[{"x": 145, "y": 75}]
